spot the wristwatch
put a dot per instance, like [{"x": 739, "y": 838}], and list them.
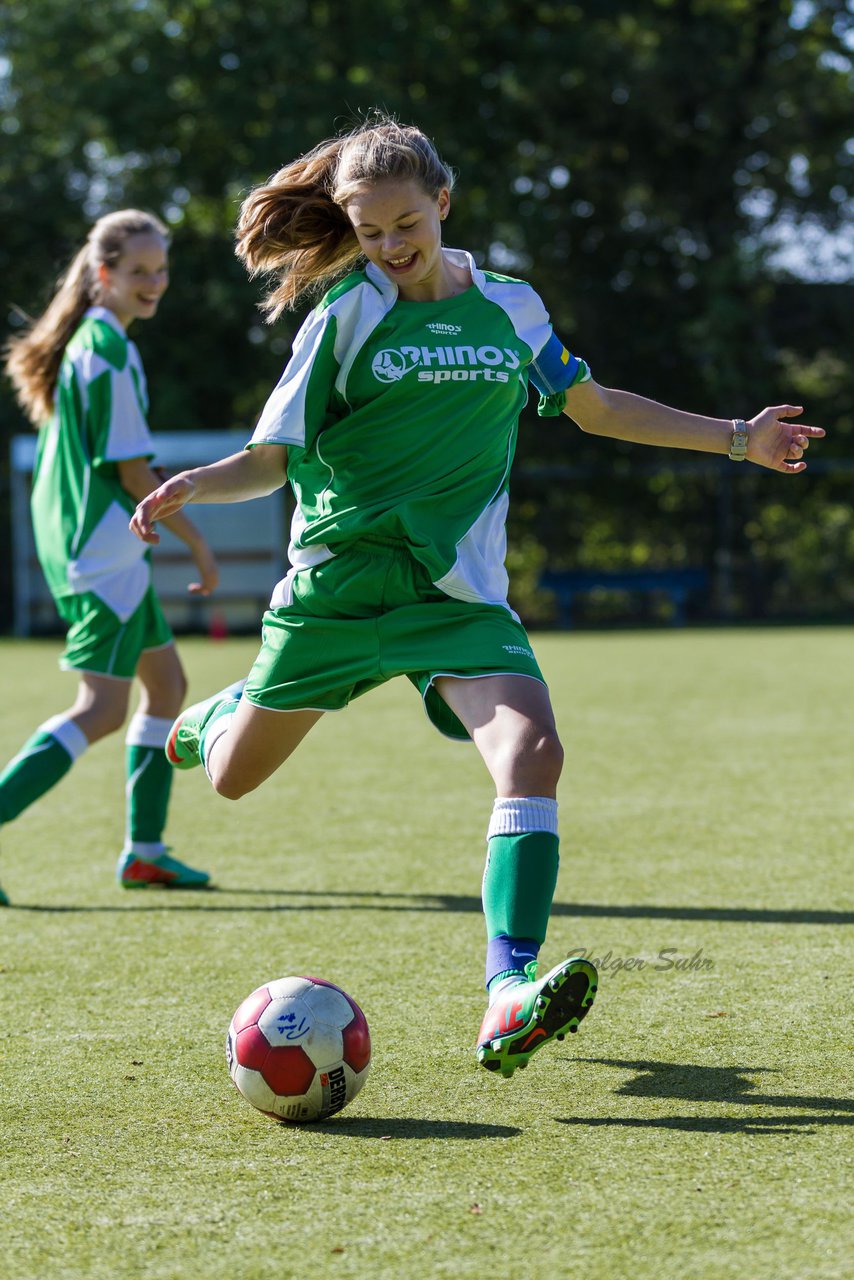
[{"x": 738, "y": 444}]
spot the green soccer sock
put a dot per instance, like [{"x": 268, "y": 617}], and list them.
[
  {"x": 42, "y": 761},
  {"x": 519, "y": 882},
  {"x": 149, "y": 784}
]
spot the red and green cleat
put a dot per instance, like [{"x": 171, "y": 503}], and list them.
[
  {"x": 134, "y": 872},
  {"x": 184, "y": 741},
  {"x": 534, "y": 1012}
]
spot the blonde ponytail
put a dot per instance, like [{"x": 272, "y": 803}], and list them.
[
  {"x": 33, "y": 359},
  {"x": 296, "y": 226}
]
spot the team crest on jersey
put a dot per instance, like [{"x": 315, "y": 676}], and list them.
[
  {"x": 446, "y": 363},
  {"x": 390, "y": 365}
]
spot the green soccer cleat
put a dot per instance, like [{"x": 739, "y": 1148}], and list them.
[
  {"x": 182, "y": 745},
  {"x": 134, "y": 872},
  {"x": 4, "y": 901},
  {"x": 533, "y": 1012}
]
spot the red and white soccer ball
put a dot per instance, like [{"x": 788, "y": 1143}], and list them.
[{"x": 298, "y": 1049}]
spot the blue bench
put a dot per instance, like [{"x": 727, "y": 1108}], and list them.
[{"x": 677, "y": 584}]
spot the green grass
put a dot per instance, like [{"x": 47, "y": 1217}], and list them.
[{"x": 699, "y": 1124}]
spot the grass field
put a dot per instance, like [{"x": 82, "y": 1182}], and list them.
[{"x": 699, "y": 1124}]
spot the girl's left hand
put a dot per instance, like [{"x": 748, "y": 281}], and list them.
[{"x": 780, "y": 445}]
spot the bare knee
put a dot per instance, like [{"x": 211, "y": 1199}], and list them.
[
  {"x": 545, "y": 758},
  {"x": 531, "y": 765},
  {"x": 229, "y": 789},
  {"x": 165, "y": 698},
  {"x": 229, "y": 782}
]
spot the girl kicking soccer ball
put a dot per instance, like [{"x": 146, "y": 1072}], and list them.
[
  {"x": 395, "y": 423},
  {"x": 80, "y": 380}
]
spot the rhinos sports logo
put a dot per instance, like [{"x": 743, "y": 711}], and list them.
[
  {"x": 390, "y": 366},
  {"x": 446, "y": 364}
]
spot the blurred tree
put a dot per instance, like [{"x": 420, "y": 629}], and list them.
[{"x": 634, "y": 162}]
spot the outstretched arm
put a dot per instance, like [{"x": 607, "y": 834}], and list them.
[
  {"x": 252, "y": 473},
  {"x": 772, "y": 441}
]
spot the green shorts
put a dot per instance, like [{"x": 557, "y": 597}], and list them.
[
  {"x": 372, "y": 613},
  {"x": 99, "y": 642}
]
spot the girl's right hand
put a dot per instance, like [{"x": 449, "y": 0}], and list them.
[
  {"x": 208, "y": 570},
  {"x": 159, "y": 505}
]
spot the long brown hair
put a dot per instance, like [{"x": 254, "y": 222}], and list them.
[
  {"x": 33, "y": 358},
  {"x": 296, "y": 225}
]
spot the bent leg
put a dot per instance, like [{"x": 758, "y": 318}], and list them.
[{"x": 244, "y": 747}]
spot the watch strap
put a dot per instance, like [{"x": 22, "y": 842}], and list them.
[{"x": 738, "y": 444}]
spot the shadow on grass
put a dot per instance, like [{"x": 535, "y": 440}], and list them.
[
  {"x": 411, "y": 1129},
  {"x": 205, "y": 899},
  {"x": 712, "y": 1124},
  {"x": 687, "y": 1082}
]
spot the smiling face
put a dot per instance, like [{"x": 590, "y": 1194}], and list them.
[
  {"x": 399, "y": 228},
  {"x": 132, "y": 287}
]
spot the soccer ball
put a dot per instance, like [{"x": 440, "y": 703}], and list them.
[{"x": 298, "y": 1049}]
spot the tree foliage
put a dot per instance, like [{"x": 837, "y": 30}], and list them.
[{"x": 634, "y": 162}]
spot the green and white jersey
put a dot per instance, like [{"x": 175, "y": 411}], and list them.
[
  {"x": 401, "y": 419},
  {"x": 80, "y": 511}
]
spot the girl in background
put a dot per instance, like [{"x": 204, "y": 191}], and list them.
[
  {"x": 79, "y": 379},
  {"x": 395, "y": 422}
]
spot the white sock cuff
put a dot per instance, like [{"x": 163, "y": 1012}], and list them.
[
  {"x": 148, "y": 850},
  {"x": 68, "y": 734},
  {"x": 212, "y": 736},
  {"x": 147, "y": 731},
  {"x": 517, "y": 817}
]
